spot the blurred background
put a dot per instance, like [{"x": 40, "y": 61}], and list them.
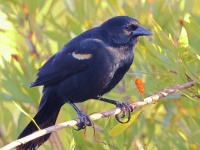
[{"x": 32, "y": 31}]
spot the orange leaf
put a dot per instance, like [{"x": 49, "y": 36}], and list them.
[
  {"x": 25, "y": 7},
  {"x": 15, "y": 57},
  {"x": 31, "y": 35},
  {"x": 140, "y": 86}
]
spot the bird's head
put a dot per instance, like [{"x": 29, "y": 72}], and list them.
[{"x": 123, "y": 30}]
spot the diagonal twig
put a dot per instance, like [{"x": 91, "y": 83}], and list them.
[{"x": 149, "y": 100}]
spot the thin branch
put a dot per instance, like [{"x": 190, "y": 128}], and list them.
[{"x": 149, "y": 100}]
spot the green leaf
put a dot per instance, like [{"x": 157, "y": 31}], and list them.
[
  {"x": 191, "y": 74},
  {"x": 26, "y": 114},
  {"x": 183, "y": 40},
  {"x": 120, "y": 128},
  {"x": 72, "y": 142}
]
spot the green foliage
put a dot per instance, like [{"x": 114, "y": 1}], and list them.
[{"x": 32, "y": 31}]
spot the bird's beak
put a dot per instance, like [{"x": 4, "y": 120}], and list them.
[{"x": 140, "y": 31}]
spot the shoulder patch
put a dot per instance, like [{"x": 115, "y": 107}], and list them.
[{"x": 81, "y": 56}]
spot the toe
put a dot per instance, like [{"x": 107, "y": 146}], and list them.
[
  {"x": 125, "y": 107},
  {"x": 84, "y": 121}
]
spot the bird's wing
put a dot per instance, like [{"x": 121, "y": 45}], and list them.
[{"x": 71, "y": 59}]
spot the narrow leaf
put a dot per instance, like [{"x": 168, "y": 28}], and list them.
[
  {"x": 26, "y": 114},
  {"x": 140, "y": 86},
  {"x": 120, "y": 128}
]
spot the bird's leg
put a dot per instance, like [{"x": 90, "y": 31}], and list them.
[
  {"x": 84, "y": 119},
  {"x": 124, "y": 107}
]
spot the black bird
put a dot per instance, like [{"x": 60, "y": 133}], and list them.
[{"x": 87, "y": 67}]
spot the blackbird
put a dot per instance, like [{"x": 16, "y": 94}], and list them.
[{"x": 87, "y": 67}]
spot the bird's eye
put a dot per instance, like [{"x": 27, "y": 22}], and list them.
[
  {"x": 131, "y": 27},
  {"x": 127, "y": 27},
  {"x": 134, "y": 27}
]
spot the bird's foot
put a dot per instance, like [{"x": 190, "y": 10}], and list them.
[
  {"x": 84, "y": 121},
  {"x": 125, "y": 107}
]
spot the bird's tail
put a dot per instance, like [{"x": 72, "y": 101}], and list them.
[{"x": 46, "y": 116}]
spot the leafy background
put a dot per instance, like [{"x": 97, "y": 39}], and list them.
[{"x": 32, "y": 31}]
